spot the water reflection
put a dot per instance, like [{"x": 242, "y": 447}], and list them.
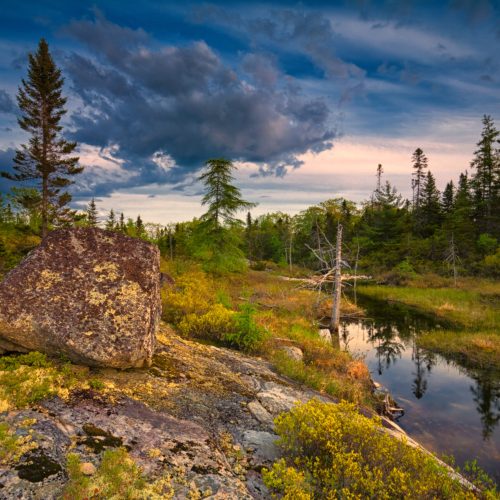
[
  {"x": 487, "y": 398},
  {"x": 424, "y": 361},
  {"x": 449, "y": 408}
]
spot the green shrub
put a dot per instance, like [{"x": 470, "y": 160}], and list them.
[
  {"x": 193, "y": 293},
  {"x": 95, "y": 383},
  {"x": 28, "y": 378},
  {"x": 212, "y": 325},
  {"x": 332, "y": 451},
  {"x": 33, "y": 358},
  {"x": 247, "y": 335},
  {"x": 491, "y": 264}
]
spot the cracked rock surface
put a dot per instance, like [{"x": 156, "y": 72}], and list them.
[{"x": 200, "y": 413}]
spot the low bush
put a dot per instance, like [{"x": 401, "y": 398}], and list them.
[
  {"x": 332, "y": 451},
  {"x": 246, "y": 335},
  {"x": 28, "y": 378},
  {"x": 193, "y": 293},
  {"x": 214, "y": 324}
]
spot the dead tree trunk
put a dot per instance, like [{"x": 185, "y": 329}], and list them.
[
  {"x": 337, "y": 288},
  {"x": 356, "y": 275}
]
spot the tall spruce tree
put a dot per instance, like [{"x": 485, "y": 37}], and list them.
[
  {"x": 486, "y": 177},
  {"x": 430, "y": 207},
  {"x": 419, "y": 165},
  {"x": 222, "y": 197},
  {"x": 91, "y": 213},
  {"x": 110, "y": 224},
  {"x": 122, "y": 226},
  {"x": 140, "y": 231},
  {"x": 448, "y": 198},
  {"x": 462, "y": 224},
  {"x": 46, "y": 160},
  {"x": 217, "y": 244}
]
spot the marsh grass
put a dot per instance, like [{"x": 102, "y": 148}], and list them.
[
  {"x": 472, "y": 309},
  {"x": 477, "y": 349}
]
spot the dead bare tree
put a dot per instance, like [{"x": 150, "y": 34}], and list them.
[
  {"x": 356, "y": 273},
  {"x": 452, "y": 258},
  {"x": 337, "y": 286},
  {"x": 330, "y": 259}
]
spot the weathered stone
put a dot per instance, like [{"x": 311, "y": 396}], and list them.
[
  {"x": 293, "y": 352},
  {"x": 260, "y": 413},
  {"x": 325, "y": 335},
  {"x": 88, "y": 294},
  {"x": 88, "y": 468},
  {"x": 263, "y": 444}
]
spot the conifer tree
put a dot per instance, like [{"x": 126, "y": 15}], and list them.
[
  {"x": 380, "y": 171},
  {"x": 462, "y": 223},
  {"x": 139, "y": 227},
  {"x": 121, "y": 224},
  {"x": 222, "y": 197},
  {"x": 217, "y": 244},
  {"x": 430, "y": 207},
  {"x": 46, "y": 160},
  {"x": 419, "y": 166},
  {"x": 486, "y": 177},
  {"x": 92, "y": 213},
  {"x": 111, "y": 221},
  {"x": 448, "y": 198}
]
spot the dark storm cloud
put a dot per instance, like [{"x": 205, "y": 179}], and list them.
[
  {"x": 261, "y": 69},
  {"x": 301, "y": 30},
  {"x": 6, "y": 103},
  {"x": 185, "y": 102}
]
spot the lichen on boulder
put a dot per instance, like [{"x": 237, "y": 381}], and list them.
[{"x": 85, "y": 293}]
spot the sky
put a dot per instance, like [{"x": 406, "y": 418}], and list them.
[{"x": 307, "y": 98}]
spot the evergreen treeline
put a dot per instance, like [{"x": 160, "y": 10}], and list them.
[{"x": 456, "y": 231}]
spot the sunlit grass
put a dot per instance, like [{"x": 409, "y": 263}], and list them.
[
  {"x": 478, "y": 349},
  {"x": 471, "y": 309}
]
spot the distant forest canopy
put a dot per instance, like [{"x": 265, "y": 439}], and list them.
[{"x": 432, "y": 232}]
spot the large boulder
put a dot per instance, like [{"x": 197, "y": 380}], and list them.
[{"x": 88, "y": 294}]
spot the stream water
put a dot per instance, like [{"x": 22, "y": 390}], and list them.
[{"x": 449, "y": 409}]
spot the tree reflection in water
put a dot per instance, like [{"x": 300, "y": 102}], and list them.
[
  {"x": 424, "y": 361},
  {"x": 388, "y": 347},
  {"x": 487, "y": 398}
]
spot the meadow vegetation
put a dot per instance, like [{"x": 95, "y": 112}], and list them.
[{"x": 261, "y": 313}]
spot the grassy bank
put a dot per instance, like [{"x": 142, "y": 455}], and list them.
[
  {"x": 472, "y": 309},
  {"x": 476, "y": 349}
]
